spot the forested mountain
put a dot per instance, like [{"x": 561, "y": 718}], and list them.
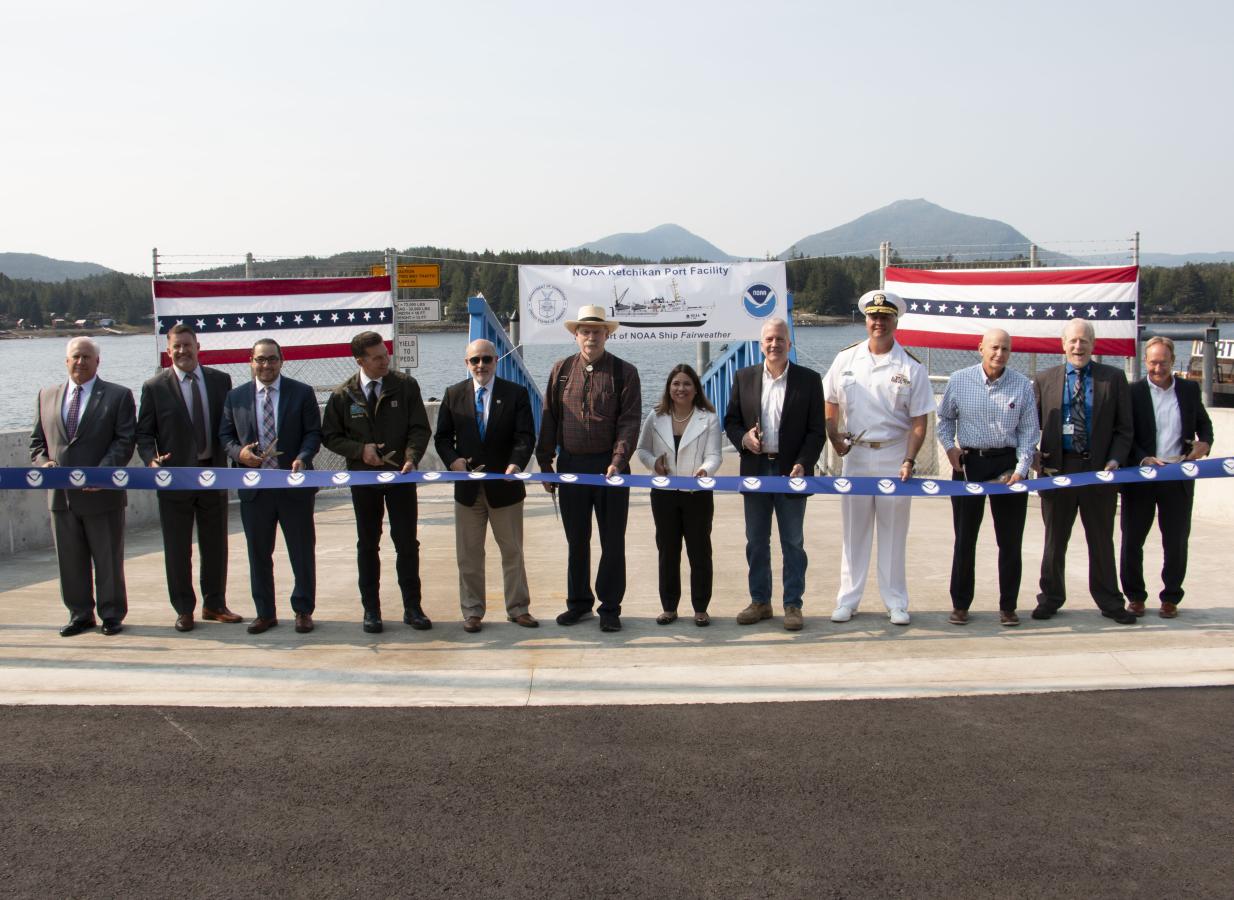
[
  {"x": 664, "y": 242},
  {"x": 43, "y": 268}
]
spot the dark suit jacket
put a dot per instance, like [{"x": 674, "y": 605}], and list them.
[
  {"x": 105, "y": 436},
  {"x": 1110, "y": 428},
  {"x": 509, "y": 437},
  {"x": 1195, "y": 421},
  {"x": 299, "y": 425},
  {"x": 802, "y": 429},
  {"x": 165, "y": 426}
]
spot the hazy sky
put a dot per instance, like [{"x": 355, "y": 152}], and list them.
[{"x": 293, "y": 128}]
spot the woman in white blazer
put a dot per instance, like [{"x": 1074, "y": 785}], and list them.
[{"x": 682, "y": 437}]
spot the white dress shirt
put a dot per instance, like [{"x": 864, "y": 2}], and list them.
[{"x": 1169, "y": 421}]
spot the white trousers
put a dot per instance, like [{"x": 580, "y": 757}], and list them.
[{"x": 859, "y": 515}]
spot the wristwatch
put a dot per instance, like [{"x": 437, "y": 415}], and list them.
[{"x": 912, "y": 462}]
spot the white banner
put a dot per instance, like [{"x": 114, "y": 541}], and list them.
[{"x": 677, "y": 302}]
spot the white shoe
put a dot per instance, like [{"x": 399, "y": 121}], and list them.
[
  {"x": 842, "y": 614},
  {"x": 898, "y": 616}
]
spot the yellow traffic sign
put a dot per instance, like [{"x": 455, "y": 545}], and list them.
[{"x": 415, "y": 275}]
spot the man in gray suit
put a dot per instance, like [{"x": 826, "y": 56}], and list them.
[{"x": 87, "y": 422}]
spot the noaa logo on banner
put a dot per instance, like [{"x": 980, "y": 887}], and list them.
[
  {"x": 660, "y": 481},
  {"x": 842, "y": 485},
  {"x": 1147, "y": 472},
  {"x": 475, "y": 475},
  {"x": 34, "y": 478},
  {"x": 973, "y": 488},
  {"x": 162, "y": 478},
  {"x": 1104, "y": 475},
  {"x": 431, "y": 476},
  {"x": 568, "y": 476},
  {"x": 252, "y": 479},
  {"x": 77, "y": 478},
  {"x": 522, "y": 476},
  {"x": 120, "y": 478},
  {"x": 386, "y": 477},
  {"x": 616, "y": 480},
  {"x": 886, "y": 485},
  {"x": 1019, "y": 487},
  {"x": 341, "y": 477},
  {"x": 759, "y": 301},
  {"x": 1061, "y": 481},
  {"x": 1190, "y": 469},
  {"x": 546, "y": 304},
  {"x": 706, "y": 482},
  {"x": 1227, "y": 466},
  {"x": 295, "y": 479},
  {"x": 797, "y": 484},
  {"x": 206, "y": 478},
  {"x": 750, "y": 484},
  {"x": 929, "y": 487}
]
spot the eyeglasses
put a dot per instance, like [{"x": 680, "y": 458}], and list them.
[
  {"x": 266, "y": 360},
  {"x": 479, "y": 360}
]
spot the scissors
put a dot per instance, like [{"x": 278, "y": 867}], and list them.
[
  {"x": 851, "y": 439},
  {"x": 271, "y": 450}
]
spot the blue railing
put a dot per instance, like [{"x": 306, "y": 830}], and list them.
[
  {"x": 718, "y": 379},
  {"x": 484, "y": 326}
]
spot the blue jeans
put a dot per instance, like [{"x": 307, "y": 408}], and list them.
[{"x": 790, "y": 512}]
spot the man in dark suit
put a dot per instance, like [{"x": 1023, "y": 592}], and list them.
[
  {"x": 775, "y": 419},
  {"x": 377, "y": 422},
  {"x": 1170, "y": 425},
  {"x": 273, "y": 423},
  {"x": 87, "y": 422},
  {"x": 1085, "y": 413},
  {"x": 485, "y": 424},
  {"x": 178, "y": 425}
]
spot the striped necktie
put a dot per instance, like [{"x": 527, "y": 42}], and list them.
[{"x": 268, "y": 434}]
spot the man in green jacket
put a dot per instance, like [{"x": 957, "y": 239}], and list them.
[{"x": 377, "y": 422}]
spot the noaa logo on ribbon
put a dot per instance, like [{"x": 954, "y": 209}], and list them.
[
  {"x": 206, "y": 478},
  {"x": 252, "y": 479},
  {"x": 1019, "y": 487},
  {"x": 568, "y": 476},
  {"x": 546, "y": 304},
  {"x": 1227, "y": 466},
  {"x": 475, "y": 475},
  {"x": 660, "y": 481},
  {"x": 706, "y": 482},
  {"x": 1148, "y": 472},
  {"x": 751, "y": 484},
  {"x": 162, "y": 478},
  {"x": 616, "y": 479},
  {"x": 34, "y": 478},
  {"x": 1190, "y": 469},
  {"x": 386, "y": 477},
  {"x": 973, "y": 488},
  {"x": 295, "y": 479},
  {"x": 120, "y": 478},
  {"x": 797, "y": 484},
  {"x": 842, "y": 485},
  {"x": 77, "y": 478},
  {"x": 929, "y": 487},
  {"x": 759, "y": 301},
  {"x": 431, "y": 476},
  {"x": 1061, "y": 480},
  {"x": 341, "y": 477},
  {"x": 1105, "y": 475},
  {"x": 886, "y": 485},
  {"x": 522, "y": 476}
]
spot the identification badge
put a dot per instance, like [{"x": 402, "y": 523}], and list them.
[
  {"x": 357, "y": 411},
  {"x": 1068, "y": 429}
]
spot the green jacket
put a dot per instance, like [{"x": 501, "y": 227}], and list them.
[{"x": 399, "y": 424}]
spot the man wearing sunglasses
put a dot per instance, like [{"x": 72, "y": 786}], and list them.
[
  {"x": 377, "y": 422},
  {"x": 485, "y": 425}
]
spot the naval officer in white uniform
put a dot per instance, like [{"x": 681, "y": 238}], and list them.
[{"x": 883, "y": 396}]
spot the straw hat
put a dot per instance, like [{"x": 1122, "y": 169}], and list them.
[{"x": 591, "y": 315}]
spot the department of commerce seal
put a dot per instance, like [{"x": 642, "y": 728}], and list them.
[{"x": 546, "y": 304}]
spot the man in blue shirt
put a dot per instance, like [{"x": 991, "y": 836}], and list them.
[{"x": 987, "y": 423}]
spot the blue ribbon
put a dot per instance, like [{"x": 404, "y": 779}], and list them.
[{"x": 195, "y": 479}]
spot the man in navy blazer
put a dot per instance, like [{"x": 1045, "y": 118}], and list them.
[
  {"x": 485, "y": 424},
  {"x": 274, "y": 423},
  {"x": 1169, "y": 424}
]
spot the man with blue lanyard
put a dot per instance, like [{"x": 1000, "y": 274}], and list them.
[{"x": 1085, "y": 412}]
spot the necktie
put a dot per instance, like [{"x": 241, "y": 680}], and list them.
[
  {"x": 199, "y": 416},
  {"x": 480, "y": 411},
  {"x": 268, "y": 434},
  {"x": 1079, "y": 416},
  {"x": 372, "y": 394},
  {"x": 70, "y": 424}
]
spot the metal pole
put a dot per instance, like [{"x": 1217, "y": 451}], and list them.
[
  {"x": 392, "y": 271},
  {"x": 1135, "y": 249},
  {"x": 703, "y": 356},
  {"x": 884, "y": 256},
  {"x": 1032, "y": 256},
  {"x": 154, "y": 254},
  {"x": 515, "y": 329},
  {"x": 248, "y": 266},
  {"x": 1139, "y": 342},
  {"x": 1211, "y": 335}
]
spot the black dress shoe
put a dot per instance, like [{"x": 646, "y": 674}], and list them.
[
  {"x": 112, "y": 626},
  {"x": 1043, "y": 612},
  {"x": 417, "y": 619},
  {"x": 372, "y": 623},
  {"x": 1121, "y": 616},
  {"x": 573, "y": 616},
  {"x": 609, "y": 622},
  {"x": 77, "y": 626},
  {"x": 184, "y": 622},
  {"x": 259, "y": 625}
]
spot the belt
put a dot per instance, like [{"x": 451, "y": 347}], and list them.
[
  {"x": 874, "y": 445},
  {"x": 770, "y": 456},
  {"x": 996, "y": 451}
]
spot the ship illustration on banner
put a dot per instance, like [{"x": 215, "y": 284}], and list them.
[{"x": 659, "y": 312}]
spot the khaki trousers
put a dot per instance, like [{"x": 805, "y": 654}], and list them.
[{"x": 469, "y": 535}]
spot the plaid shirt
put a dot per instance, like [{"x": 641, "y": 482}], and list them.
[
  {"x": 978, "y": 414},
  {"x": 593, "y": 419}
]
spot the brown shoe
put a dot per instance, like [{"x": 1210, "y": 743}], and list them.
[
  {"x": 184, "y": 622},
  {"x": 755, "y": 612},
  {"x": 1008, "y": 617},
  {"x": 668, "y": 617},
  {"x": 701, "y": 619},
  {"x": 222, "y": 614},
  {"x": 471, "y": 624},
  {"x": 304, "y": 623},
  {"x": 258, "y": 625},
  {"x": 1168, "y": 610},
  {"x": 525, "y": 620},
  {"x": 958, "y": 617},
  {"x": 792, "y": 618},
  {"x": 1135, "y": 607}
]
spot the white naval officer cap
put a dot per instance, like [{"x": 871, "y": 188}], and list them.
[{"x": 882, "y": 303}]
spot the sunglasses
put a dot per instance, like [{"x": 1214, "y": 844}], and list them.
[{"x": 479, "y": 360}]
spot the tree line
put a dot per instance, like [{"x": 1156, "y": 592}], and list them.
[{"x": 824, "y": 286}]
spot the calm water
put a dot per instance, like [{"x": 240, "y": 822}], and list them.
[{"x": 27, "y": 365}]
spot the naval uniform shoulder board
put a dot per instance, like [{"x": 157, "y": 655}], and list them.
[
  {"x": 911, "y": 355},
  {"x": 850, "y": 346}
]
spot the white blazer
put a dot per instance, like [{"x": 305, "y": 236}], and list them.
[{"x": 700, "y": 443}]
